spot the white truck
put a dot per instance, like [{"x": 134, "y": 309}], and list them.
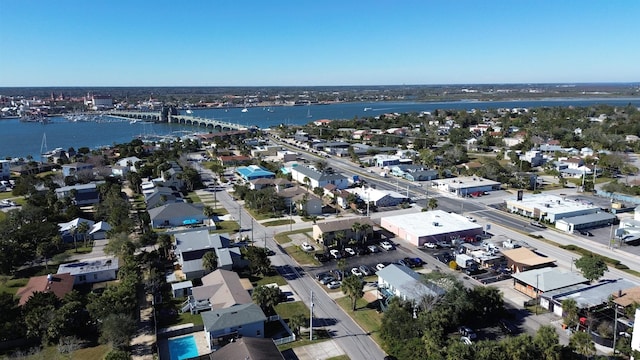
[
  {"x": 466, "y": 263},
  {"x": 510, "y": 244}
]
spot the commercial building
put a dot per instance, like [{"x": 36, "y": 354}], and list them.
[
  {"x": 5, "y": 169},
  {"x": 430, "y": 226},
  {"x": 467, "y": 185},
  {"x": 314, "y": 178},
  {"x": 589, "y": 221},
  {"x": 523, "y": 259},
  {"x": 543, "y": 280},
  {"x": 551, "y": 208}
]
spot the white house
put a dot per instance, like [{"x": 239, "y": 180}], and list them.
[
  {"x": 92, "y": 270},
  {"x": 400, "y": 281}
]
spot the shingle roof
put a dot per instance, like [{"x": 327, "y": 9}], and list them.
[
  {"x": 248, "y": 348},
  {"x": 234, "y": 316},
  {"x": 60, "y": 285},
  {"x": 346, "y": 224},
  {"x": 175, "y": 210},
  {"x": 223, "y": 289}
]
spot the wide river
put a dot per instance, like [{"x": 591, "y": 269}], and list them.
[{"x": 20, "y": 139}]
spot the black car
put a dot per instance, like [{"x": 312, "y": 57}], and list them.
[{"x": 322, "y": 257}]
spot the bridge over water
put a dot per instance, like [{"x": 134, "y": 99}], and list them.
[{"x": 169, "y": 117}]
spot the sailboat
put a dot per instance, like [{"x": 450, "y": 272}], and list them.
[
  {"x": 245, "y": 109},
  {"x": 309, "y": 112}
]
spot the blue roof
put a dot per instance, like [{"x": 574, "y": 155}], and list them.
[{"x": 254, "y": 172}]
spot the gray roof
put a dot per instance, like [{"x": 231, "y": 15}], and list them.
[
  {"x": 231, "y": 317},
  {"x": 589, "y": 218},
  {"x": 175, "y": 210},
  {"x": 408, "y": 282},
  {"x": 549, "y": 279},
  {"x": 182, "y": 285},
  {"x": 317, "y": 175},
  {"x": 198, "y": 240},
  {"x": 345, "y": 224},
  {"x": 191, "y": 266},
  {"x": 588, "y": 296},
  {"x": 89, "y": 266}
]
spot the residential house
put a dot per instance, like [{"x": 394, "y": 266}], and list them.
[
  {"x": 191, "y": 246},
  {"x": 234, "y": 160},
  {"x": 58, "y": 284},
  {"x": 5, "y": 169},
  {"x": 325, "y": 232},
  {"x": 75, "y": 168},
  {"x": 534, "y": 157},
  {"x": 222, "y": 325},
  {"x": 176, "y": 214},
  {"x": 69, "y": 230},
  {"x": 220, "y": 289},
  {"x": 131, "y": 163},
  {"x": 397, "y": 280},
  {"x": 314, "y": 178},
  {"x": 99, "y": 230},
  {"x": 91, "y": 271},
  {"x": 248, "y": 348},
  {"x": 380, "y": 198},
  {"x": 302, "y": 200},
  {"x": 253, "y": 172},
  {"x": 81, "y": 194},
  {"x": 172, "y": 177},
  {"x": 161, "y": 195}
]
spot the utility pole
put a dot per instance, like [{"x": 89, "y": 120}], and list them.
[
  {"x": 311, "y": 319},
  {"x": 537, "y": 292},
  {"x": 252, "y": 230}
]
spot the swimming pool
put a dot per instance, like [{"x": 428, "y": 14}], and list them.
[{"x": 183, "y": 348}]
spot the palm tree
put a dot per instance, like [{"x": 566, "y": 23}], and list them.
[
  {"x": 210, "y": 261},
  {"x": 74, "y": 232},
  {"x": 570, "y": 310},
  {"x": 353, "y": 287},
  {"x": 356, "y": 227},
  {"x": 582, "y": 344},
  {"x": 83, "y": 229},
  {"x": 432, "y": 204},
  {"x": 296, "y": 322},
  {"x": 365, "y": 229},
  {"x": 307, "y": 182},
  {"x": 339, "y": 237}
]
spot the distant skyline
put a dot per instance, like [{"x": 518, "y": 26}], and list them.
[{"x": 317, "y": 43}]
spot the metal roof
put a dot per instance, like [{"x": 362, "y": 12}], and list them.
[{"x": 548, "y": 279}]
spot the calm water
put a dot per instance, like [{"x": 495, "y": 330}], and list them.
[{"x": 18, "y": 139}]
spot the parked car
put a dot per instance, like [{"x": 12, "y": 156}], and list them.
[
  {"x": 335, "y": 253},
  {"x": 386, "y": 245},
  {"x": 430, "y": 245},
  {"x": 355, "y": 271},
  {"x": 327, "y": 279},
  {"x": 417, "y": 261},
  {"x": 409, "y": 262},
  {"x": 470, "y": 218},
  {"x": 321, "y": 275},
  {"x": 270, "y": 252},
  {"x": 306, "y": 247},
  {"x": 538, "y": 224},
  {"x": 336, "y": 274},
  {"x": 361, "y": 250},
  {"x": 322, "y": 257},
  {"x": 334, "y": 284},
  {"x": 365, "y": 270},
  {"x": 380, "y": 266},
  {"x": 373, "y": 249},
  {"x": 468, "y": 332},
  {"x": 349, "y": 251},
  {"x": 402, "y": 262}
]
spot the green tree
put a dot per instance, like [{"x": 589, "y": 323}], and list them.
[
  {"x": 120, "y": 245},
  {"x": 266, "y": 297},
  {"x": 296, "y": 322},
  {"x": 570, "y": 312},
  {"x": 341, "y": 265},
  {"x": 39, "y": 312},
  {"x": 352, "y": 286},
  {"x": 210, "y": 261},
  {"x": 592, "y": 266},
  {"x": 432, "y": 204},
  {"x": 117, "y": 329},
  {"x": 117, "y": 355},
  {"x": 164, "y": 242},
  {"x": 259, "y": 262},
  {"x": 83, "y": 230},
  {"x": 208, "y": 212},
  {"x": 581, "y": 343},
  {"x": 547, "y": 342}
]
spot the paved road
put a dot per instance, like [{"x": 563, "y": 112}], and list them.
[{"x": 345, "y": 332}]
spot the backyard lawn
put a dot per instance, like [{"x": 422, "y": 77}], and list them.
[
  {"x": 366, "y": 315},
  {"x": 302, "y": 257},
  {"x": 283, "y": 237}
]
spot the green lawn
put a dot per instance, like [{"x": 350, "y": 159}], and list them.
[
  {"x": 341, "y": 357},
  {"x": 283, "y": 237},
  {"x": 368, "y": 318},
  {"x": 193, "y": 197},
  {"x": 302, "y": 257},
  {"x": 278, "y": 222},
  {"x": 319, "y": 335},
  {"x": 7, "y": 284},
  {"x": 289, "y": 309},
  {"x": 226, "y": 227},
  {"x": 270, "y": 280}
]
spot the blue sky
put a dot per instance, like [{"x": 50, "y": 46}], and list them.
[{"x": 348, "y": 42}]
